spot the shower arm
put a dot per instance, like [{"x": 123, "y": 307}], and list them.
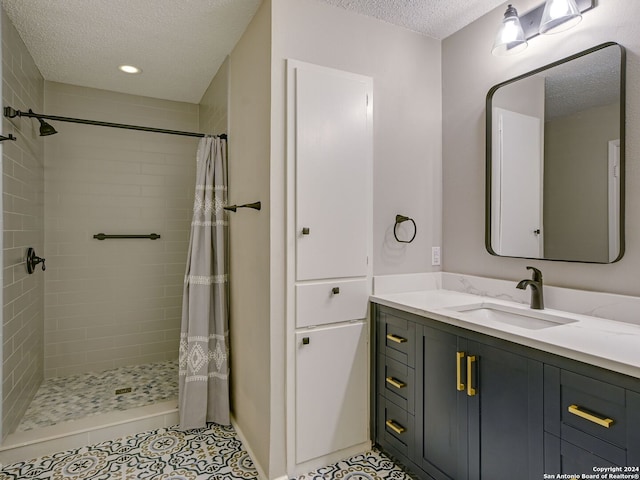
[{"x": 10, "y": 112}]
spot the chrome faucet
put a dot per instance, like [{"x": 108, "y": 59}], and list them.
[{"x": 537, "y": 300}]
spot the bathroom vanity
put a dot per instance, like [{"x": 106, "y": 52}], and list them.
[{"x": 472, "y": 387}]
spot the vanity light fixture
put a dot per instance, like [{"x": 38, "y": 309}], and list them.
[
  {"x": 551, "y": 17},
  {"x": 510, "y": 37},
  {"x": 559, "y": 15}
]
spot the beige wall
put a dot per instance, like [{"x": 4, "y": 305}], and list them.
[
  {"x": 115, "y": 302},
  {"x": 249, "y": 230},
  {"x": 405, "y": 67},
  {"x": 469, "y": 71},
  {"x": 23, "y": 225},
  {"x": 214, "y": 105},
  {"x": 576, "y": 184}
]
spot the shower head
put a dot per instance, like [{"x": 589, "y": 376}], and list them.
[{"x": 46, "y": 129}]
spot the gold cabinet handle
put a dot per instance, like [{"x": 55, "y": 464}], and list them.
[
  {"x": 470, "y": 361},
  {"x": 395, "y": 338},
  {"x": 395, "y": 382},
  {"x": 459, "y": 384},
  {"x": 603, "y": 422},
  {"x": 395, "y": 427}
]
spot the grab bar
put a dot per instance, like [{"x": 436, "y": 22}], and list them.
[{"x": 104, "y": 236}]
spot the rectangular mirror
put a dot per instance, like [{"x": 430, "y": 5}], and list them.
[{"x": 555, "y": 160}]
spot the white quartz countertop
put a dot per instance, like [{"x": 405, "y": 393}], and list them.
[{"x": 609, "y": 344}]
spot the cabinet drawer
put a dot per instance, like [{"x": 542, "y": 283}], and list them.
[
  {"x": 565, "y": 458},
  {"x": 396, "y": 383},
  {"x": 395, "y": 427},
  {"x": 331, "y": 302},
  {"x": 397, "y": 339},
  {"x": 593, "y": 407}
]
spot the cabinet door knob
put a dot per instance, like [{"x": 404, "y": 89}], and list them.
[
  {"x": 335, "y": 290},
  {"x": 305, "y": 340},
  {"x": 305, "y": 230}
]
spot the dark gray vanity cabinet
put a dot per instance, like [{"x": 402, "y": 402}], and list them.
[
  {"x": 590, "y": 421},
  {"x": 453, "y": 404},
  {"x": 442, "y": 408},
  {"x": 478, "y": 408},
  {"x": 505, "y": 413}
]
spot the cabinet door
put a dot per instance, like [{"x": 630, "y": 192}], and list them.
[
  {"x": 331, "y": 390},
  {"x": 564, "y": 457},
  {"x": 441, "y": 407},
  {"x": 505, "y": 415},
  {"x": 633, "y": 443},
  {"x": 333, "y": 162}
]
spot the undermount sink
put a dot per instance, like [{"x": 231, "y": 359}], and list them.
[{"x": 530, "y": 319}]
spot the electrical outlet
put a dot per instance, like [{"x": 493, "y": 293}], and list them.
[{"x": 435, "y": 255}]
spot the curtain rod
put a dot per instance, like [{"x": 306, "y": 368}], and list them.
[{"x": 12, "y": 113}]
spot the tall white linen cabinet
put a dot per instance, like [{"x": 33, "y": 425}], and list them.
[{"x": 329, "y": 251}]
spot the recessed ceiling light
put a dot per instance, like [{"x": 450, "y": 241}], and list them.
[{"x": 129, "y": 69}]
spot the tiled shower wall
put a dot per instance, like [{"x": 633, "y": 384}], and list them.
[
  {"x": 115, "y": 302},
  {"x": 23, "y": 225}
]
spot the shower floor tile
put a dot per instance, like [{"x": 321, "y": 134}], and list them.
[{"x": 61, "y": 399}]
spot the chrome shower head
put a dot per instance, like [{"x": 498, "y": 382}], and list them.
[{"x": 46, "y": 129}]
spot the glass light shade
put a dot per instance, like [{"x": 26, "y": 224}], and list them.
[
  {"x": 510, "y": 37},
  {"x": 559, "y": 15}
]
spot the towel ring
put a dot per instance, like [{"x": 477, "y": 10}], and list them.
[{"x": 399, "y": 220}]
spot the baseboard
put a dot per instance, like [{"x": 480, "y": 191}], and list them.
[
  {"x": 323, "y": 461},
  {"x": 247, "y": 446}
]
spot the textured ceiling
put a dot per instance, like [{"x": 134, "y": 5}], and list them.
[
  {"x": 180, "y": 44},
  {"x": 598, "y": 78},
  {"x": 435, "y": 18}
]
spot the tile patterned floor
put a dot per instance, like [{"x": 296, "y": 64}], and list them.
[
  {"x": 212, "y": 453},
  {"x": 68, "y": 398},
  {"x": 372, "y": 465}
]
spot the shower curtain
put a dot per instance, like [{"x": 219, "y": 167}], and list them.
[{"x": 204, "y": 336}]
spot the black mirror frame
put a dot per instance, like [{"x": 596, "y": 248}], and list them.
[{"x": 488, "y": 150}]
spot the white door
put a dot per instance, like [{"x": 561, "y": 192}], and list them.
[
  {"x": 614, "y": 199},
  {"x": 331, "y": 390},
  {"x": 517, "y": 185},
  {"x": 332, "y": 157}
]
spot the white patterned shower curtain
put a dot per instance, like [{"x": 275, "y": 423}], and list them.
[{"x": 204, "y": 335}]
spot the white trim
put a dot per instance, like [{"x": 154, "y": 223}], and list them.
[{"x": 247, "y": 447}]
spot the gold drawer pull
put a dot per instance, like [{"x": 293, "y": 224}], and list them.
[
  {"x": 603, "y": 422},
  {"x": 395, "y": 338},
  {"x": 470, "y": 361},
  {"x": 459, "y": 384},
  {"x": 395, "y": 427},
  {"x": 395, "y": 383}
]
